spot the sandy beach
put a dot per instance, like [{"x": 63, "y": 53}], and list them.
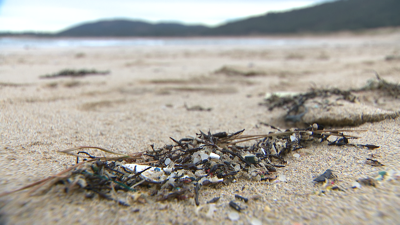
[{"x": 144, "y": 101}]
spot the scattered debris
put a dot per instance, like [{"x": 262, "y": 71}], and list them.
[
  {"x": 235, "y": 206},
  {"x": 241, "y": 198},
  {"x": 4, "y": 84},
  {"x": 334, "y": 188},
  {"x": 373, "y": 162},
  {"x": 368, "y": 181},
  {"x": 197, "y": 108},
  {"x": 234, "y": 71},
  {"x": 328, "y": 174},
  {"x": 214, "y": 200},
  {"x": 392, "y": 57},
  {"x": 75, "y": 73}
]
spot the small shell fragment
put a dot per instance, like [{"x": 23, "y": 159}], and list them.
[
  {"x": 167, "y": 161},
  {"x": 214, "y": 156},
  {"x": 293, "y": 138},
  {"x": 152, "y": 174},
  {"x": 138, "y": 168},
  {"x": 356, "y": 185}
]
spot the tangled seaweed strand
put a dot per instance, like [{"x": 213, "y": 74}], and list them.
[
  {"x": 298, "y": 100},
  {"x": 382, "y": 85},
  {"x": 181, "y": 170}
]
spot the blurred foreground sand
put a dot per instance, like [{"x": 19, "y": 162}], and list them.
[{"x": 142, "y": 102}]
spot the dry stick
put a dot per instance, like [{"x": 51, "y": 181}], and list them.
[
  {"x": 68, "y": 151},
  {"x": 333, "y": 132},
  {"x": 196, "y": 192},
  {"x": 44, "y": 180},
  {"x": 254, "y": 137}
]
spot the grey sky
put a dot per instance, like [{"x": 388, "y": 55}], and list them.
[{"x": 54, "y": 15}]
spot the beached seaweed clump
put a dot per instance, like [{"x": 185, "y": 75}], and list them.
[
  {"x": 182, "y": 169},
  {"x": 323, "y": 102}
]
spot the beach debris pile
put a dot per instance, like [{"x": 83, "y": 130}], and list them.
[
  {"x": 181, "y": 170},
  {"x": 75, "y": 73},
  {"x": 334, "y": 106}
]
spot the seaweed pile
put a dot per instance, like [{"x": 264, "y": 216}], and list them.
[
  {"x": 181, "y": 170},
  {"x": 383, "y": 86},
  {"x": 75, "y": 73},
  {"x": 300, "y": 104}
]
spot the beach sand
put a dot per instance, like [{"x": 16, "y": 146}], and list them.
[{"x": 142, "y": 102}]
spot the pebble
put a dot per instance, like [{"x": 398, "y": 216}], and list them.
[
  {"x": 255, "y": 221},
  {"x": 233, "y": 215},
  {"x": 282, "y": 178},
  {"x": 167, "y": 161},
  {"x": 356, "y": 185}
]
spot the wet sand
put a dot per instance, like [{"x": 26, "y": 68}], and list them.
[{"x": 142, "y": 102}]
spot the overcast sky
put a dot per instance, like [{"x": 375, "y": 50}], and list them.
[{"x": 55, "y": 15}]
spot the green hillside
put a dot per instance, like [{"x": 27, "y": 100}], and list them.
[
  {"x": 125, "y": 28},
  {"x": 327, "y": 17}
]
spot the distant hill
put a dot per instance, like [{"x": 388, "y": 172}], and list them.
[
  {"x": 326, "y": 17},
  {"x": 125, "y": 28}
]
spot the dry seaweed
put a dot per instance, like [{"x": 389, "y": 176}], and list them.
[
  {"x": 296, "y": 104},
  {"x": 373, "y": 162},
  {"x": 230, "y": 71},
  {"x": 75, "y": 73},
  {"x": 296, "y": 101},
  {"x": 382, "y": 85},
  {"x": 179, "y": 171}
]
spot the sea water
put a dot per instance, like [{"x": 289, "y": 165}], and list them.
[{"x": 29, "y": 42}]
